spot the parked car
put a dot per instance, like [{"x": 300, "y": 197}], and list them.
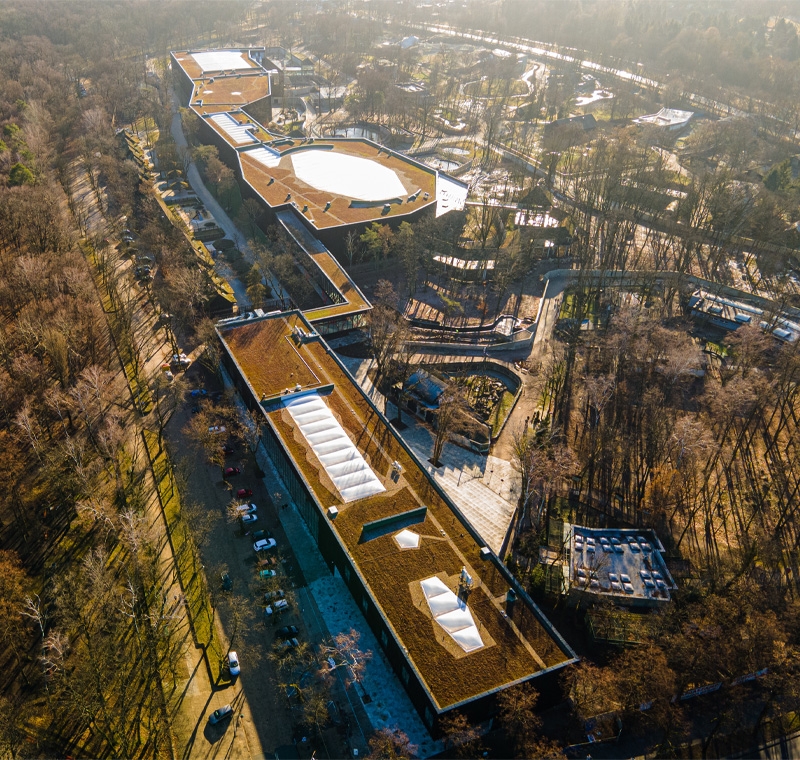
[
  {"x": 196, "y": 392},
  {"x": 280, "y": 606},
  {"x": 246, "y": 509},
  {"x": 243, "y": 493},
  {"x": 263, "y": 534},
  {"x": 182, "y": 360},
  {"x": 220, "y": 715},
  {"x": 233, "y": 664},
  {"x": 228, "y": 471},
  {"x": 270, "y": 595},
  {"x": 267, "y": 573},
  {"x": 264, "y": 544},
  {"x": 216, "y": 429},
  {"x": 333, "y": 713},
  {"x": 291, "y": 643},
  {"x": 249, "y": 519},
  {"x": 227, "y": 583},
  {"x": 286, "y": 632}
]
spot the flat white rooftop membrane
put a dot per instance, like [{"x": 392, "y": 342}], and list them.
[
  {"x": 239, "y": 133},
  {"x": 221, "y": 60},
  {"x": 348, "y": 176},
  {"x": 451, "y": 613},
  {"x": 352, "y": 476}
]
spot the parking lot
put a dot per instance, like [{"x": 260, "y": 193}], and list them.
[{"x": 226, "y": 547}]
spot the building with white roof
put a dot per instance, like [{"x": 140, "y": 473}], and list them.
[{"x": 670, "y": 119}]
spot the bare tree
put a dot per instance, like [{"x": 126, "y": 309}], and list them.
[
  {"x": 391, "y": 744},
  {"x": 452, "y": 412},
  {"x": 387, "y": 330}
]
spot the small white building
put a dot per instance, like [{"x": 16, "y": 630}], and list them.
[{"x": 669, "y": 119}]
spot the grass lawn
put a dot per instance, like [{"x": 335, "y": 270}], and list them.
[
  {"x": 500, "y": 412},
  {"x": 187, "y": 559}
]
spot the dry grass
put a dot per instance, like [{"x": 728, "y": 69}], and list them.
[
  {"x": 394, "y": 575},
  {"x": 232, "y": 91},
  {"x": 268, "y": 357},
  {"x": 328, "y": 264}
]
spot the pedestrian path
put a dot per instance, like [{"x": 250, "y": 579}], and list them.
[{"x": 483, "y": 488}]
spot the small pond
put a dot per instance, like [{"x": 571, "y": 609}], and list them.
[
  {"x": 441, "y": 164},
  {"x": 366, "y": 132}
]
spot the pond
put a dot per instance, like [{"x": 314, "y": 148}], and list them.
[
  {"x": 456, "y": 151},
  {"x": 441, "y": 164},
  {"x": 365, "y": 132}
]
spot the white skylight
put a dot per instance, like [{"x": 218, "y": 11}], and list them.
[
  {"x": 407, "y": 539},
  {"x": 239, "y": 133},
  {"x": 451, "y": 613},
  {"x": 343, "y": 462},
  {"x": 266, "y": 156},
  {"x": 221, "y": 60}
]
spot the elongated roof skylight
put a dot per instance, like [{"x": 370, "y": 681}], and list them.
[
  {"x": 239, "y": 133},
  {"x": 452, "y": 614},
  {"x": 266, "y": 156},
  {"x": 221, "y": 60},
  {"x": 343, "y": 462}
]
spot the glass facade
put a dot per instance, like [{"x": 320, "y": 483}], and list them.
[{"x": 297, "y": 489}]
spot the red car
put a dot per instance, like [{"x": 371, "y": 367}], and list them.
[
  {"x": 243, "y": 493},
  {"x": 231, "y": 471}
]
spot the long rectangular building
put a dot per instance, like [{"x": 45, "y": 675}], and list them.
[{"x": 453, "y": 622}]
